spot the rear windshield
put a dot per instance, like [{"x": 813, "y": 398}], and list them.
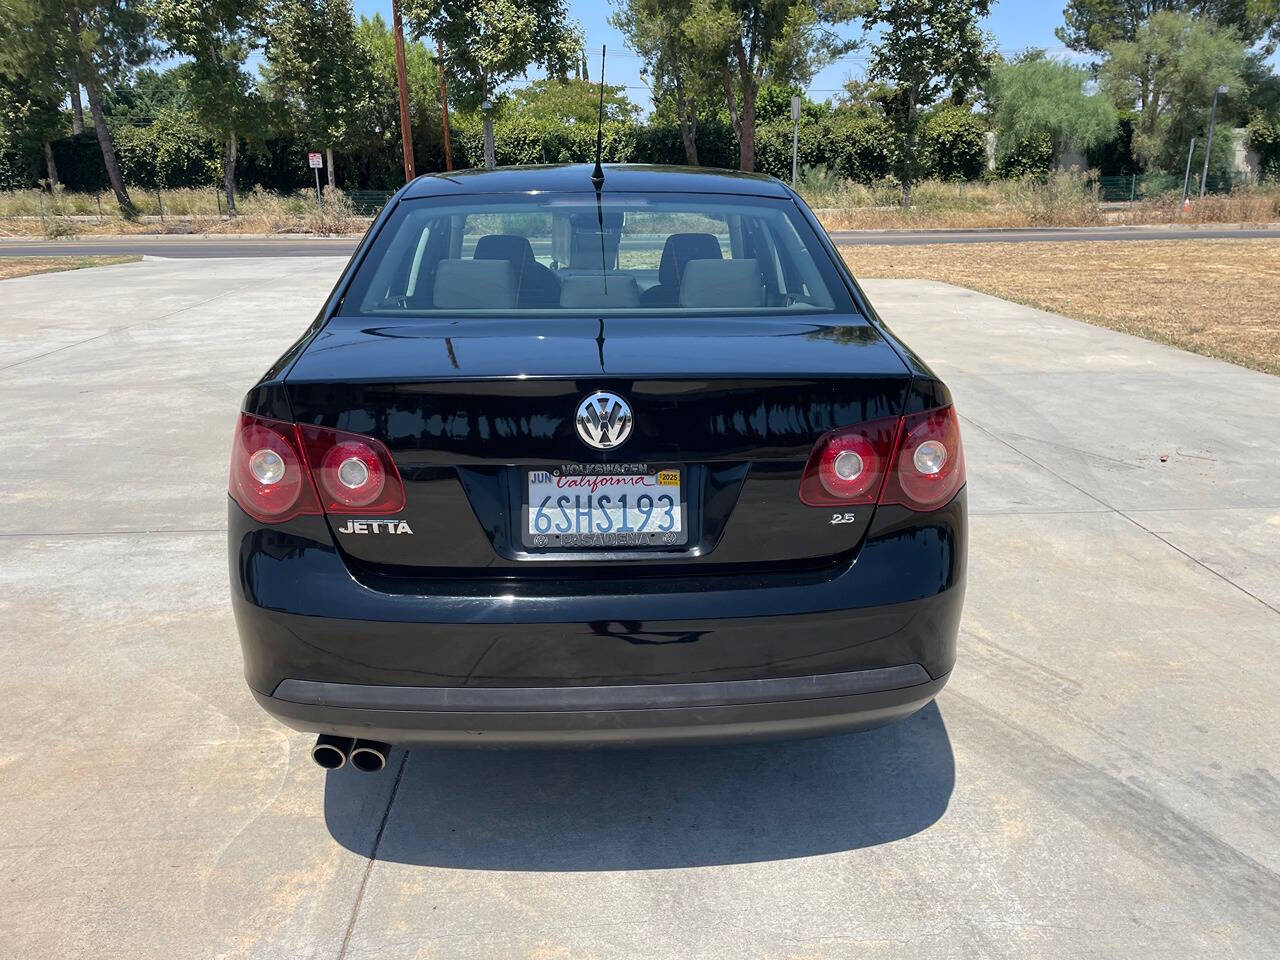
[{"x": 568, "y": 254}]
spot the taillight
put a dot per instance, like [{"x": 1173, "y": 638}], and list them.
[
  {"x": 282, "y": 470},
  {"x": 916, "y": 461},
  {"x": 269, "y": 478},
  {"x": 847, "y": 466},
  {"x": 929, "y": 462},
  {"x": 354, "y": 473}
]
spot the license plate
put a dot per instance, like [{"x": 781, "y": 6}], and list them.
[{"x": 571, "y": 510}]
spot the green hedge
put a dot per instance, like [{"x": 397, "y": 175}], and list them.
[
  {"x": 954, "y": 143},
  {"x": 1032, "y": 157},
  {"x": 173, "y": 151},
  {"x": 1264, "y": 138}
]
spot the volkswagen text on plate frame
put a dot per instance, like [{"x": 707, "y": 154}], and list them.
[{"x": 553, "y": 467}]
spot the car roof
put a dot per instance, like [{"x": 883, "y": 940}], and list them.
[{"x": 576, "y": 178}]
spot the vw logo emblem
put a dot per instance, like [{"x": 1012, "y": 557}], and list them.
[{"x": 604, "y": 420}]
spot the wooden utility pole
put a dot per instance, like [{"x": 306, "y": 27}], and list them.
[
  {"x": 402, "y": 81},
  {"x": 444, "y": 104}
]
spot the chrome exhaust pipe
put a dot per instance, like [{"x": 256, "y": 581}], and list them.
[
  {"x": 369, "y": 756},
  {"x": 331, "y": 752}
]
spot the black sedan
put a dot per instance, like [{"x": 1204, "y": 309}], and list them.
[{"x": 565, "y": 462}]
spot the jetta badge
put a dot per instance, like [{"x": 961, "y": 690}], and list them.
[{"x": 604, "y": 420}]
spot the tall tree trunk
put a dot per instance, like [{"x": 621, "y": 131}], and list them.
[
  {"x": 735, "y": 119},
  {"x": 328, "y": 162},
  {"x": 50, "y": 165},
  {"x": 105, "y": 142},
  {"x": 687, "y": 107},
  {"x": 909, "y": 153},
  {"x": 747, "y": 123},
  {"x": 747, "y": 143},
  {"x": 229, "y": 180},
  {"x": 689, "y": 131},
  {"x": 77, "y": 109}
]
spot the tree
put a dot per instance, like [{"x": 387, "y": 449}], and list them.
[
  {"x": 571, "y": 100},
  {"x": 103, "y": 41},
  {"x": 218, "y": 37},
  {"x": 1036, "y": 97},
  {"x": 678, "y": 70},
  {"x": 379, "y": 140},
  {"x": 785, "y": 41},
  {"x": 488, "y": 42},
  {"x": 1168, "y": 73},
  {"x": 31, "y": 93},
  {"x": 925, "y": 48},
  {"x": 1092, "y": 26},
  {"x": 318, "y": 72}
]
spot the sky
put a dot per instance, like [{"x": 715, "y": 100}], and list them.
[{"x": 1015, "y": 24}]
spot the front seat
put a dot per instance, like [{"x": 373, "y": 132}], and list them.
[
  {"x": 679, "y": 249},
  {"x": 536, "y": 285}
]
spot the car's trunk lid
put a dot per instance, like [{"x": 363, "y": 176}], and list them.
[{"x": 469, "y": 408}]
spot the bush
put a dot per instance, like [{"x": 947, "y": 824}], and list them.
[
  {"x": 1264, "y": 138},
  {"x": 860, "y": 146},
  {"x": 1030, "y": 158},
  {"x": 953, "y": 144},
  {"x": 171, "y": 151},
  {"x": 850, "y": 144}
]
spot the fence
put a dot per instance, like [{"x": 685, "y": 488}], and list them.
[
  {"x": 1141, "y": 185},
  {"x": 368, "y": 202}
]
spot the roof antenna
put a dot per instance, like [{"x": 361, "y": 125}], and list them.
[
  {"x": 597, "y": 181},
  {"x": 597, "y": 175}
]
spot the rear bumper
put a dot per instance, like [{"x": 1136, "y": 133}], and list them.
[
  {"x": 467, "y": 663},
  {"x": 652, "y": 714}
]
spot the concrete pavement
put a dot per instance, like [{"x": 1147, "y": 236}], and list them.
[{"x": 1099, "y": 778}]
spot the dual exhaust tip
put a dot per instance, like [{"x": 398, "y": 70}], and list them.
[{"x": 332, "y": 753}]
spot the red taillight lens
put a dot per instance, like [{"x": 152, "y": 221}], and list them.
[
  {"x": 268, "y": 477},
  {"x": 847, "y": 467},
  {"x": 354, "y": 474},
  {"x": 915, "y": 461},
  {"x": 282, "y": 470},
  {"x": 929, "y": 464}
]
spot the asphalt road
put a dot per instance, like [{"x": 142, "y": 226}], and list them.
[
  {"x": 1100, "y": 778},
  {"x": 207, "y": 247}
]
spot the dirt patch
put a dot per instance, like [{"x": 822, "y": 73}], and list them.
[
  {"x": 11, "y": 267},
  {"x": 1220, "y": 298}
]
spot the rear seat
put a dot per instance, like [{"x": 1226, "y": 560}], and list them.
[
  {"x": 474, "y": 285},
  {"x": 608, "y": 291},
  {"x": 722, "y": 283}
]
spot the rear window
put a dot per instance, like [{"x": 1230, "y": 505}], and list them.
[{"x": 568, "y": 254}]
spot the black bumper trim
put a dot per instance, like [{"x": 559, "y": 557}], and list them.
[{"x": 634, "y": 697}]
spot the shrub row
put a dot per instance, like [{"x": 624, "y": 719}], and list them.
[{"x": 174, "y": 152}]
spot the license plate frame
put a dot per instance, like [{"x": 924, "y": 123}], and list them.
[{"x": 605, "y": 541}]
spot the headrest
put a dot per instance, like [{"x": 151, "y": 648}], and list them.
[
  {"x": 504, "y": 246},
  {"x": 722, "y": 283},
  {"x": 614, "y": 291},
  {"x": 474, "y": 285},
  {"x": 679, "y": 249}
]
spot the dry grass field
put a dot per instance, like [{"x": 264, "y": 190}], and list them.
[
  {"x": 1220, "y": 298},
  {"x": 1064, "y": 200},
  {"x": 25, "y": 266}
]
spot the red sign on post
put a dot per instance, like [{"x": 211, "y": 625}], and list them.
[{"x": 315, "y": 161}]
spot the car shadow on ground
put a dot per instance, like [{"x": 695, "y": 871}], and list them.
[{"x": 649, "y": 808}]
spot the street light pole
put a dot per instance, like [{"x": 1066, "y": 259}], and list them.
[
  {"x": 444, "y": 105},
  {"x": 1186, "y": 179},
  {"x": 1208, "y": 144},
  {"x": 406, "y": 135},
  {"x": 486, "y": 108},
  {"x": 795, "y": 138}
]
